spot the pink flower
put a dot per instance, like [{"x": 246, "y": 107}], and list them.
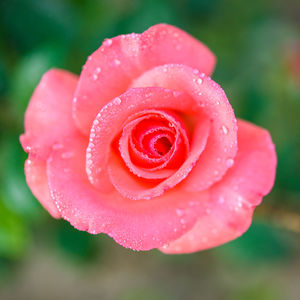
[{"x": 145, "y": 147}]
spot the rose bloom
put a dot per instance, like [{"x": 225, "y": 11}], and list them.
[{"x": 145, "y": 147}]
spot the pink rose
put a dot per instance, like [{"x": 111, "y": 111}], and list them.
[{"x": 145, "y": 147}]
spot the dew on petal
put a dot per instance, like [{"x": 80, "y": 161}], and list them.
[
  {"x": 221, "y": 200},
  {"x": 107, "y": 42},
  {"x": 67, "y": 155},
  {"x": 117, "y": 101},
  {"x": 178, "y": 47},
  {"x": 229, "y": 162},
  {"x": 117, "y": 62},
  {"x": 224, "y": 129},
  {"x": 179, "y": 212},
  {"x": 57, "y": 146},
  {"x": 176, "y": 93}
]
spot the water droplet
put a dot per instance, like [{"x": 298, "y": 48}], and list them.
[
  {"x": 67, "y": 155},
  {"x": 195, "y": 71},
  {"x": 221, "y": 200},
  {"x": 176, "y": 93},
  {"x": 117, "y": 101},
  {"x": 117, "y": 62},
  {"x": 95, "y": 76},
  {"x": 179, "y": 212},
  {"x": 57, "y": 146},
  {"x": 179, "y": 47},
  {"x": 229, "y": 162},
  {"x": 224, "y": 129},
  {"x": 107, "y": 42},
  {"x": 96, "y": 122},
  {"x": 199, "y": 80}
]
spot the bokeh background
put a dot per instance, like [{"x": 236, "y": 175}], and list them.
[{"x": 257, "y": 44}]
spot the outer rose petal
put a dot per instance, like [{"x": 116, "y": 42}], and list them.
[
  {"x": 49, "y": 111},
  {"x": 233, "y": 200},
  {"x": 36, "y": 178},
  {"x": 211, "y": 100},
  {"x": 140, "y": 225},
  {"x": 110, "y": 70},
  {"x": 48, "y": 120}
]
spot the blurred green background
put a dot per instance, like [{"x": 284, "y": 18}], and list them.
[{"x": 257, "y": 44}]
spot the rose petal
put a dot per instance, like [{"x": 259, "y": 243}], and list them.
[
  {"x": 140, "y": 225},
  {"x": 132, "y": 187},
  {"x": 212, "y": 101},
  {"x": 110, "y": 70},
  {"x": 49, "y": 111},
  {"x": 176, "y": 153},
  {"x": 36, "y": 178},
  {"x": 112, "y": 118},
  {"x": 48, "y": 120},
  {"x": 233, "y": 199}
]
